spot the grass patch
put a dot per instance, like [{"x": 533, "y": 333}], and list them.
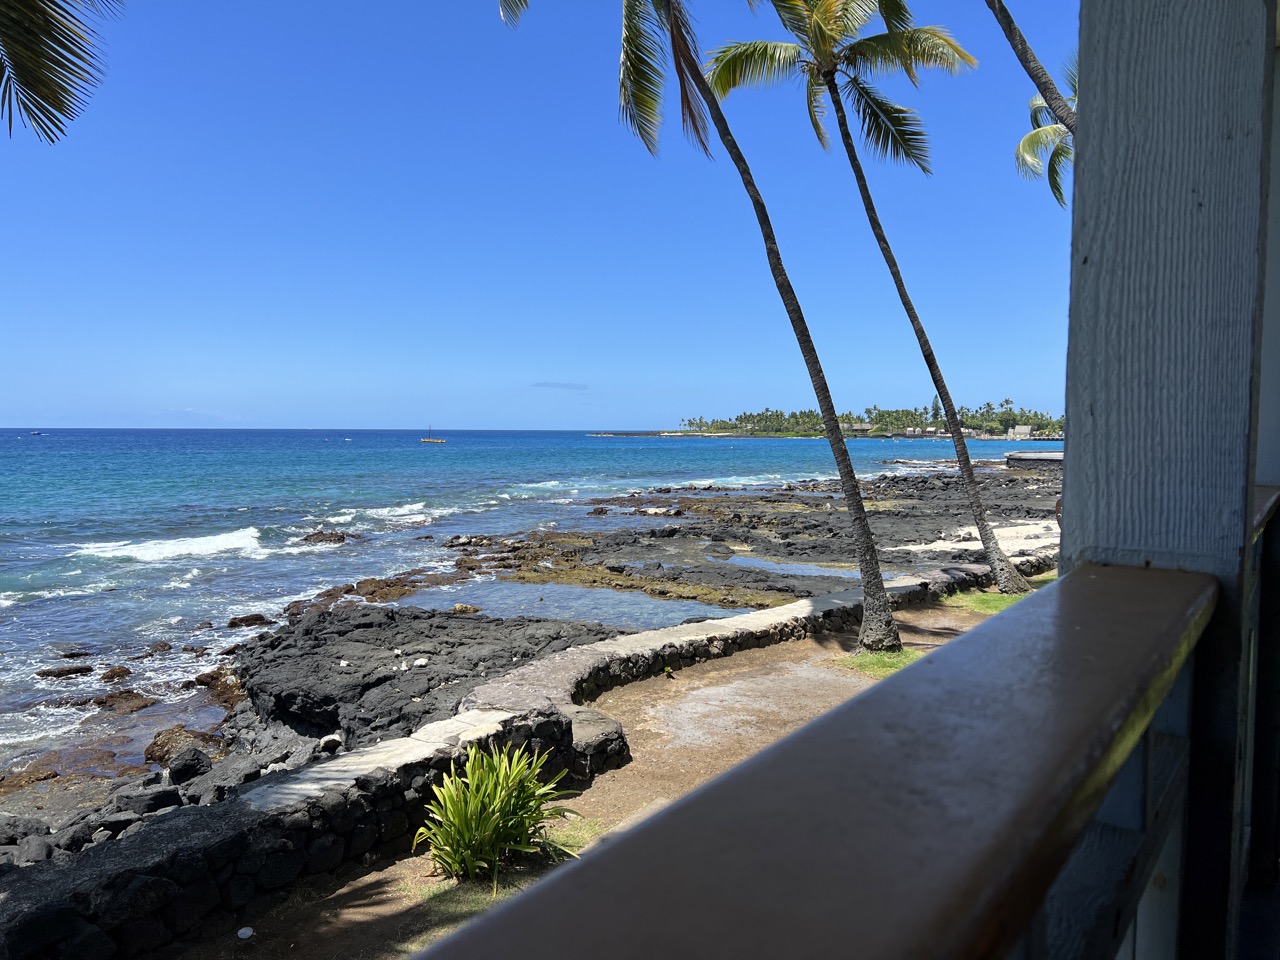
[
  {"x": 878, "y": 664},
  {"x": 448, "y": 904},
  {"x": 989, "y": 603},
  {"x": 574, "y": 833}
]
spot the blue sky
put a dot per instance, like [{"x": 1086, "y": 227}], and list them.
[{"x": 283, "y": 215}]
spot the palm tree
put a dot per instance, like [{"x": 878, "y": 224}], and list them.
[
  {"x": 897, "y": 17},
  {"x": 1061, "y": 108},
  {"x": 829, "y": 50},
  {"x": 48, "y": 61},
  {"x": 651, "y": 28},
  {"x": 1050, "y": 146}
]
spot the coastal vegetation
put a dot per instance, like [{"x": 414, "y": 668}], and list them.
[
  {"x": 497, "y": 806},
  {"x": 987, "y": 418},
  {"x": 832, "y": 57},
  {"x": 652, "y": 29}
]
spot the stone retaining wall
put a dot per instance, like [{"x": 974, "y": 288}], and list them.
[{"x": 196, "y": 872}]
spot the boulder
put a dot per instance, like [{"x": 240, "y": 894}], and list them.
[
  {"x": 167, "y": 744},
  {"x": 330, "y": 536},
  {"x": 61, "y": 673},
  {"x": 223, "y": 686},
  {"x": 249, "y": 620},
  {"x": 118, "y": 672},
  {"x": 32, "y": 849},
  {"x": 123, "y": 702},
  {"x": 13, "y": 829},
  {"x": 188, "y": 764},
  {"x": 148, "y": 800}
]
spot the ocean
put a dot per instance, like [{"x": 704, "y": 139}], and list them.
[{"x": 115, "y": 541}]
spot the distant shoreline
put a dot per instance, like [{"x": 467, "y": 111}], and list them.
[{"x": 756, "y": 435}]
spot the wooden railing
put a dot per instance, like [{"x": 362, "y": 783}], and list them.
[{"x": 1015, "y": 791}]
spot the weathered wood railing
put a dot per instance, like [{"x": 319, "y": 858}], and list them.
[{"x": 1015, "y": 792}]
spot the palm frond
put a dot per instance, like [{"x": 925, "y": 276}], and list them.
[
  {"x": 895, "y": 14},
  {"x": 794, "y": 15},
  {"x": 750, "y": 64},
  {"x": 1059, "y": 160},
  {"x": 826, "y": 28},
  {"x": 891, "y": 131},
  {"x": 1032, "y": 149},
  {"x": 640, "y": 71},
  {"x": 49, "y": 61},
  {"x": 1041, "y": 115},
  {"x": 815, "y": 91},
  {"x": 936, "y": 49},
  {"x": 684, "y": 55},
  {"x": 907, "y": 51},
  {"x": 858, "y": 13},
  {"x": 1072, "y": 73},
  {"x": 511, "y": 10}
]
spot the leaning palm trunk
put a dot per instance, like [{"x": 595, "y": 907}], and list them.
[
  {"x": 879, "y": 631},
  {"x": 1006, "y": 574},
  {"x": 1031, "y": 64}
]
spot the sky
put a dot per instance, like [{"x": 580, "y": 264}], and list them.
[{"x": 404, "y": 214}]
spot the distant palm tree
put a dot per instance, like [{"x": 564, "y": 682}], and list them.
[
  {"x": 1050, "y": 146},
  {"x": 49, "y": 61},
  {"x": 828, "y": 51},
  {"x": 649, "y": 29}
]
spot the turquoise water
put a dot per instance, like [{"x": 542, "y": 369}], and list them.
[{"x": 114, "y": 540}]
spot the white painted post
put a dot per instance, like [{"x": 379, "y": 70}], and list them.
[{"x": 1168, "y": 265}]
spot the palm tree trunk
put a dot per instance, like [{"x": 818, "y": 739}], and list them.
[
  {"x": 1038, "y": 74},
  {"x": 1006, "y": 574},
  {"x": 878, "y": 631}
]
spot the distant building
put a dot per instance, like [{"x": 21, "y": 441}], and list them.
[
  {"x": 851, "y": 428},
  {"x": 1019, "y": 432}
]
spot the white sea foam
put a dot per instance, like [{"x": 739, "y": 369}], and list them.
[
  {"x": 9, "y": 599},
  {"x": 377, "y": 518},
  {"x": 243, "y": 541},
  {"x": 38, "y": 722},
  {"x": 741, "y": 481},
  {"x": 394, "y": 513}
]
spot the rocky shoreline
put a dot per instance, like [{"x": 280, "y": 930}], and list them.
[{"x": 343, "y": 671}]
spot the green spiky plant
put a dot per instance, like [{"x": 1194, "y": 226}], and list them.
[
  {"x": 49, "y": 61},
  {"x": 1049, "y": 149},
  {"x": 498, "y": 805},
  {"x": 836, "y": 62},
  {"x": 652, "y": 30}
]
